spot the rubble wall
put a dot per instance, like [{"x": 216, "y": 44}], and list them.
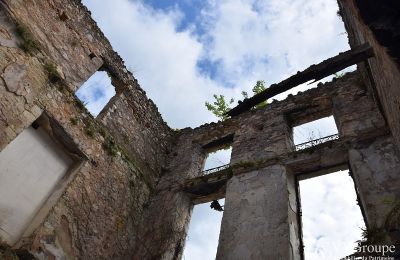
[
  {"x": 48, "y": 49},
  {"x": 376, "y": 23}
]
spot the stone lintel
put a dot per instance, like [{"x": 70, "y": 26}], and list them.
[{"x": 313, "y": 162}]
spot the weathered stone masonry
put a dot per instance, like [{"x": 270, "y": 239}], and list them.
[
  {"x": 97, "y": 215},
  {"x": 134, "y": 182}
]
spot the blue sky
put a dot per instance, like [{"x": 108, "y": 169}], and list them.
[
  {"x": 190, "y": 12},
  {"x": 223, "y": 47},
  {"x": 186, "y": 51}
]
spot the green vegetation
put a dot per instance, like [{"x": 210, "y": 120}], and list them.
[
  {"x": 110, "y": 147},
  {"x": 258, "y": 88},
  {"x": 102, "y": 132},
  {"x": 28, "y": 44},
  {"x": 73, "y": 120},
  {"x": 52, "y": 73},
  {"x": 381, "y": 235},
  {"x": 79, "y": 103},
  {"x": 7, "y": 253},
  {"x": 338, "y": 75},
  {"x": 221, "y": 106},
  {"x": 244, "y": 164},
  {"x": 90, "y": 130}
]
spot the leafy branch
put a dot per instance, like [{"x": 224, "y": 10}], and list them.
[{"x": 221, "y": 105}]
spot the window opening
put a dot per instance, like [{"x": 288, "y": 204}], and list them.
[
  {"x": 203, "y": 235},
  {"x": 96, "y": 92},
  {"x": 218, "y": 160},
  {"x": 331, "y": 219},
  {"x": 314, "y": 133}
]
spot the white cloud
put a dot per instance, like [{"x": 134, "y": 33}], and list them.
[
  {"x": 96, "y": 92},
  {"x": 332, "y": 221},
  {"x": 279, "y": 37},
  {"x": 202, "y": 240},
  {"x": 251, "y": 39},
  {"x": 218, "y": 158},
  {"x": 163, "y": 60},
  {"x": 314, "y": 130}
]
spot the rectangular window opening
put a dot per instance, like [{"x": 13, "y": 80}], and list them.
[
  {"x": 203, "y": 235},
  {"x": 314, "y": 133},
  {"x": 96, "y": 92},
  {"x": 332, "y": 220},
  {"x": 218, "y": 160}
]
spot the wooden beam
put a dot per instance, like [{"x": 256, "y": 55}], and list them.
[{"x": 314, "y": 72}]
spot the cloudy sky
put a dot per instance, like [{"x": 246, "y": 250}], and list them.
[{"x": 184, "y": 51}]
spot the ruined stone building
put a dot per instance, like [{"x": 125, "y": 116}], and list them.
[{"x": 123, "y": 185}]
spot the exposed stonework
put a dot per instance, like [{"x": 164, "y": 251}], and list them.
[
  {"x": 375, "y": 167},
  {"x": 381, "y": 73},
  {"x": 250, "y": 200},
  {"x": 262, "y": 139},
  {"x": 134, "y": 182},
  {"x": 103, "y": 204}
]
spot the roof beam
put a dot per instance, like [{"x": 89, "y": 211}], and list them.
[{"x": 314, "y": 72}]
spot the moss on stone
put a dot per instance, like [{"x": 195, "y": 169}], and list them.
[
  {"x": 6, "y": 252},
  {"x": 73, "y": 120},
  {"x": 79, "y": 103},
  {"x": 90, "y": 130},
  {"x": 244, "y": 164},
  {"x": 52, "y": 73},
  {"x": 28, "y": 43},
  {"x": 110, "y": 147},
  {"x": 103, "y": 132}
]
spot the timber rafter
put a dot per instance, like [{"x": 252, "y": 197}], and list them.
[{"x": 314, "y": 72}]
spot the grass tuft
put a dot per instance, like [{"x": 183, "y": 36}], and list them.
[{"x": 28, "y": 44}]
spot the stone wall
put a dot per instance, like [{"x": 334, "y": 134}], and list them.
[
  {"x": 169, "y": 211},
  {"x": 381, "y": 72},
  {"x": 48, "y": 49},
  {"x": 262, "y": 144},
  {"x": 124, "y": 198},
  {"x": 262, "y": 139},
  {"x": 375, "y": 165},
  {"x": 250, "y": 200}
]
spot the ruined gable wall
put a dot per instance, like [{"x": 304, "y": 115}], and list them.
[
  {"x": 346, "y": 98},
  {"x": 71, "y": 39},
  {"x": 263, "y": 153},
  {"x": 259, "y": 137},
  {"x": 124, "y": 149}
]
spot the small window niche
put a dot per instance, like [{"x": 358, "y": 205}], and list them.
[
  {"x": 96, "y": 92},
  {"x": 314, "y": 133}
]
